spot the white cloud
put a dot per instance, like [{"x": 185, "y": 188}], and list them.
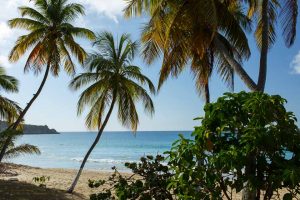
[
  {"x": 5, "y": 31},
  {"x": 9, "y": 9},
  {"x": 110, "y": 8},
  {"x": 295, "y": 64},
  {"x": 4, "y": 61}
]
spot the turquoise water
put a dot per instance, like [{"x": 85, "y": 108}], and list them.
[{"x": 67, "y": 150}]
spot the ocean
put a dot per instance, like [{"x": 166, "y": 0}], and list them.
[{"x": 66, "y": 150}]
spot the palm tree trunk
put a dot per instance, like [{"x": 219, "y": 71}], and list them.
[
  {"x": 207, "y": 93},
  {"x": 23, "y": 113},
  {"x": 264, "y": 48},
  {"x": 236, "y": 66},
  {"x": 250, "y": 169},
  {"x": 71, "y": 189}
]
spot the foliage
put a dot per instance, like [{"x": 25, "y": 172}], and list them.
[
  {"x": 186, "y": 33},
  {"x": 149, "y": 181},
  {"x": 236, "y": 126},
  {"x": 285, "y": 12},
  {"x": 9, "y": 110},
  {"x": 201, "y": 32},
  {"x": 41, "y": 181}
]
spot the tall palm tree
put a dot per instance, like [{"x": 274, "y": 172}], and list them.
[
  {"x": 50, "y": 41},
  {"x": 111, "y": 80},
  {"x": 9, "y": 110},
  {"x": 201, "y": 33},
  {"x": 265, "y": 13}
]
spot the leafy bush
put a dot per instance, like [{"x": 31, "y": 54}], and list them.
[
  {"x": 41, "y": 181},
  {"x": 149, "y": 181},
  {"x": 238, "y": 130}
]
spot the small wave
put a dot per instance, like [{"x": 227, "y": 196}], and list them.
[{"x": 92, "y": 160}]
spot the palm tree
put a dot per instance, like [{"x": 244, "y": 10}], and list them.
[
  {"x": 265, "y": 13},
  {"x": 178, "y": 14},
  {"x": 9, "y": 110},
  {"x": 51, "y": 41},
  {"x": 111, "y": 80},
  {"x": 201, "y": 33}
]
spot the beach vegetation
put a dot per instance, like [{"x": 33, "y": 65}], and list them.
[
  {"x": 111, "y": 80},
  {"x": 149, "y": 180},
  {"x": 211, "y": 165},
  {"x": 41, "y": 180}
]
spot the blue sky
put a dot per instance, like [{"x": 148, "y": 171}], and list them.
[{"x": 176, "y": 104}]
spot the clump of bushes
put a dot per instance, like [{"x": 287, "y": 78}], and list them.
[
  {"x": 149, "y": 180},
  {"x": 245, "y": 141},
  {"x": 41, "y": 180}
]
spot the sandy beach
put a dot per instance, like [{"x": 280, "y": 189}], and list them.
[
  {"x": 60, "y": 180},
  {"x": 16, "y": 183}
]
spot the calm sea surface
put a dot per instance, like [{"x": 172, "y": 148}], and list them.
[{"x": 67, "y": 150}]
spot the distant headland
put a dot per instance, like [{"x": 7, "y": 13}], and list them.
[{"x": 32, "y": 129}]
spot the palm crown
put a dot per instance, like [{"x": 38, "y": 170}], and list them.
[
  {"x": 186, "y": 32},
  {"x": 111, "y": 78},
  {"x": 51, "y": 35},
  {"x": 51, "y": 40}
]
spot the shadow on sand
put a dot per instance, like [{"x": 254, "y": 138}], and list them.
[{"x": 15, "y": 190}]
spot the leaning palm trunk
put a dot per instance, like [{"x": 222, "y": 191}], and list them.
[
  {"x": 71, "y": 189},
  {"x": 236, "y": 66},
  {"x": 264, "y": 48},
  {"x": 23, "y": 113}
]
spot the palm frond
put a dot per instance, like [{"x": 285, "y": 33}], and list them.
[
  {"x": 21, "y": 150},
  {"x": 289, "y": 16},
  {"x": 8, "y": 83}
]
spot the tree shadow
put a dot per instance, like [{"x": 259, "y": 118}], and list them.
[{"x": 15, "y": 190}]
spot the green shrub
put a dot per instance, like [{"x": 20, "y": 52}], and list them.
[
  {"x": 238, "y": 130},
  {"x": 41, "y": 181},
  {"x": 149, "y": 181}
]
